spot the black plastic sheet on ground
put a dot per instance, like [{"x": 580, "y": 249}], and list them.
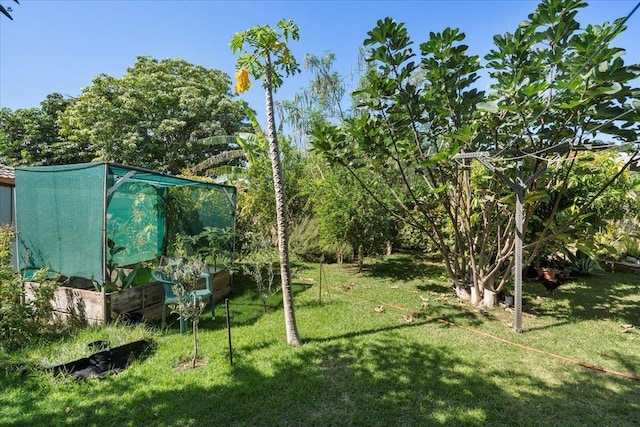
[{"x": 104, "y": 362}]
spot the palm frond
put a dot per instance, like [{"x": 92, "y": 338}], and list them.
[{"x": 218, "y": 159}]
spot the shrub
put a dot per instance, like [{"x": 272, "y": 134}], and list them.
[
  {"x": 260, "y": 263},
  {"x": 305, "y": 242},
  {"x": 21, "y": 320},
  {"x": 581, "y": 263}
]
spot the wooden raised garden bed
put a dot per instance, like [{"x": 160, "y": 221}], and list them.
[
  {"x": 80, "y": 301},
  {"x": 622, "y": 267}
]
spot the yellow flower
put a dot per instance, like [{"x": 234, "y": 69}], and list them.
[{"x": 242, "y": 80}]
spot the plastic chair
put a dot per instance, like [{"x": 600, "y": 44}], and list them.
[{"x": 170, "y": 298}]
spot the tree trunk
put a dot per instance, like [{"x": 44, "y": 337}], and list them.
[
  {"x": 489, "y": 298},
  {"x": 293, "y": 337},
  {"x": 475, "y": 295},
  {"x": 195, "y": 343}
]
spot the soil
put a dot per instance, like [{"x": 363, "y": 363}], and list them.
[{"x": 188, "y": 364}]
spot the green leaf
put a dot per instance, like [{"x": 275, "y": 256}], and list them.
[{"x": 489, "y": 106}]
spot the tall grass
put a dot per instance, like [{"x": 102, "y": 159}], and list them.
[{"x": 413, "y": 363}]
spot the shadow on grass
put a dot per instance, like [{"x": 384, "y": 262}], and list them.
[
  {"x": 612, "y": 296},
  {"x": 245, "y": 306},
  {"x": 403, "y": 268},
  {"x": 374, "y": 377},
  {"x": 607, "y": 296},
  {"x": 373, "y": 380}
]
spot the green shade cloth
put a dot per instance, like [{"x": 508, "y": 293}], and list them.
[{"x": 68, "y": 217}]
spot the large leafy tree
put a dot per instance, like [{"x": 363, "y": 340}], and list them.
[
  {"x": 31, "y": 136},
  {"x": 264, "y": 54},
  {"x": 156, "y": 115},
  {"x": 557, "y": 88}
]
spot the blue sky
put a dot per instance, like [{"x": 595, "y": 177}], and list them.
[{"x": 59, "y": 46}]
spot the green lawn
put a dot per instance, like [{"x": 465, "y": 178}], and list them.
[{"x": 451, "y": 365}]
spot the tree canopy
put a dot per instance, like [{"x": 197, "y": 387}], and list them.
[
  {"x": 31, "y": 136},
  {"x": 557, "y": 88},
  {"x": 154, "y": 116}
]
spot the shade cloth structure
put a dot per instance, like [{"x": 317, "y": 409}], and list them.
[{"x": 69, "y": 216}]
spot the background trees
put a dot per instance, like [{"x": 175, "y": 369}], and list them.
[
  {"x": 158, "y": 115},
  {"x": 557, "y": 90},
  {"x": 31, "y": 136},
  {"x": 154, "y": 116}
]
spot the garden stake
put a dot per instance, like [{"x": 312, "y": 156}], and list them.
[
  {"x": 326, "y": 287},
  {"x": 320, "y": 287},
  {"x": 226, "y": 306}
]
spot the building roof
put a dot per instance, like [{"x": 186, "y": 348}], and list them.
[{"x": 7, "y": 174}]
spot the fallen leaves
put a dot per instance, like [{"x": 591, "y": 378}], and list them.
[{"x": 626, "y": 328}]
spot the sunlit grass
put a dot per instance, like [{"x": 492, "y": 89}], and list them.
[{"x": 448, "y": 364}]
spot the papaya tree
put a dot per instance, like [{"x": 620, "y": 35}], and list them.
[
  {"x": 267, "y": 57},
  {"x": 557, "y": 89}
]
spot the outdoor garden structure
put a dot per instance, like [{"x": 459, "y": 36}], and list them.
[{"x": 103, "y": 227}]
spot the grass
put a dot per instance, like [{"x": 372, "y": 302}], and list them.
[{"x": 359, "y": 366}]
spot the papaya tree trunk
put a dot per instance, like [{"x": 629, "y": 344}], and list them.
[{"x": 281, "y": 217}]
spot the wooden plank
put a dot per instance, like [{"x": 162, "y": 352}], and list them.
[
  {"x": 68, "y": 302},
  {"x": 153, "y": 313},
  {"x": 220, "y": 280},
  {"x": 82, "y": 303},
  {"x": 221, "y": 294},
  {"x": 622, "y": 267},
  {"x": 126, "y": 300},
  {"x": 152, "y": 294},
  {"x": 88, "y": 305},
  {"x": 65, "y": 317}
]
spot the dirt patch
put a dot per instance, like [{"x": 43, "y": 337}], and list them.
[{"x": 188, "y": 364}]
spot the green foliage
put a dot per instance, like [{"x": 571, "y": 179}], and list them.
[
  {"x": 215, "y": 245},
  {"x": 117, "y": 278},
  {"x": 556, "y": 85},
  {"x": 307, "y": 244},
  {"x": 268, "y": 52},
  {"x": 21, "y": 318},
  {"x": 347, "y": 215},
  {"x": 617, "y": 201},
  {"x": 581, "y": 263},
  {"x": 628, "y": 246},
  {"x": 256, "y": 203},
  {"x": 304, "y": 240},
  {"x": 31, "y": 137},
  {"x": 319, "y": 102},
  {"x": 187, "y": 272},
  {"x": 155, "y": 115},
  {"x": 260, "y": 263}
]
